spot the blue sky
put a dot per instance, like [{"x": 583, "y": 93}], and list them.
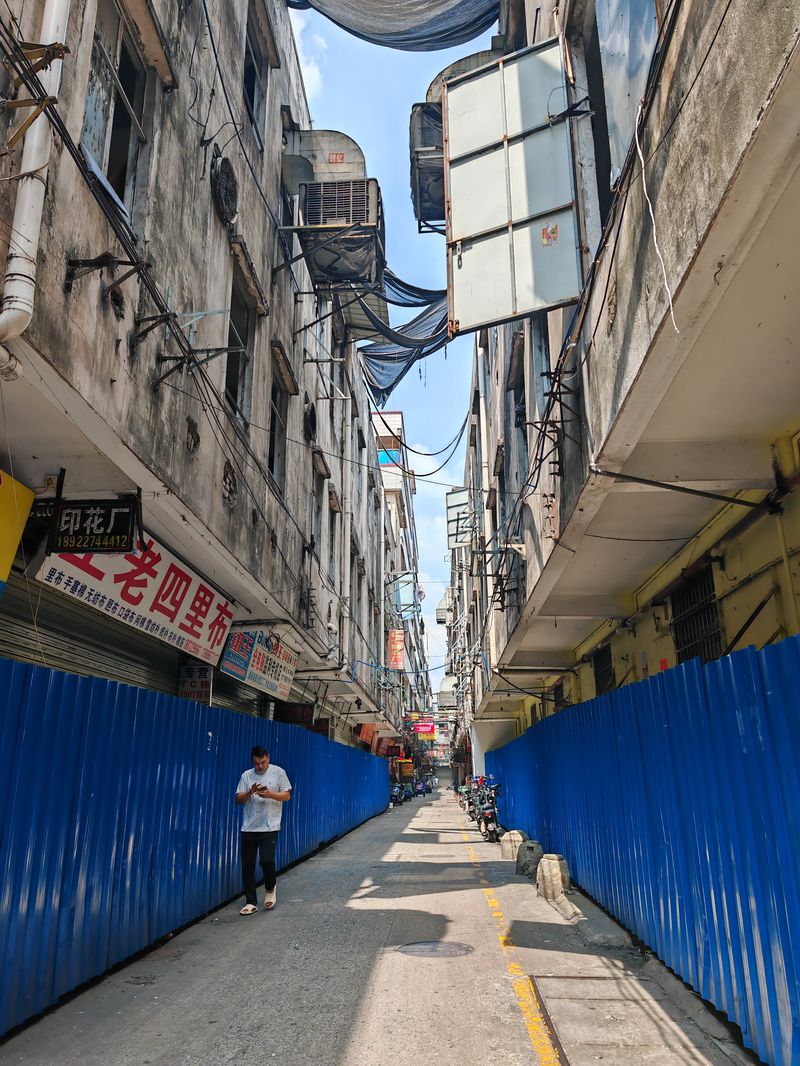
[{"x": 367, "y": 92}]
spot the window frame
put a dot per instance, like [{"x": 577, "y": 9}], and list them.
[
  {"x": 278, "y": 427},
  {"x": 332, "y": 544},
  {"x": 114, "y": 96},
  {"x": 241, "y": 405},
  {"x": 256, "y": 51}
]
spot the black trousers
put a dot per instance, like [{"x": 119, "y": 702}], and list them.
[{"x": 263, "y": 846}]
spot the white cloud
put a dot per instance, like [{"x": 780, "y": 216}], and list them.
[{"x": 312, "y": 49}]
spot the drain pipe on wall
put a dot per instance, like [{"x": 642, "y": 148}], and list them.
[
  {"x": 20, "y": 275},
  {"x": 347, "y": 522}
]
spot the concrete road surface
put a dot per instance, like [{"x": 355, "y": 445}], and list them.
[{"x": 322, "y": 979}]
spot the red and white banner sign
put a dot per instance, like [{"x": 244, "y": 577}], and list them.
[
  {"x": 149, "y": 590},
  {"x": 396, "y": 649},
  {"x": 426, "y": 728}
]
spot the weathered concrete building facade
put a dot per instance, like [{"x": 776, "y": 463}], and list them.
[
  {"x": 404, "y": 625},
  {"x": 162, "y": 335},
  {"x": 634, "y": 456}
]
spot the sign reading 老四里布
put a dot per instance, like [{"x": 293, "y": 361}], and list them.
[
  {"x": 260, "y": 660},
  {"x": 150, "y": 590}
]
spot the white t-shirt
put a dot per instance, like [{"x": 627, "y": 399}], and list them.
[{"x": 263, "y": 815}]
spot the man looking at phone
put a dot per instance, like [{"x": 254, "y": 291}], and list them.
[{"x": 262, "y": 792}]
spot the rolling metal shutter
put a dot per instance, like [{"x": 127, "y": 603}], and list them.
[{"x": 70, "y": 636}]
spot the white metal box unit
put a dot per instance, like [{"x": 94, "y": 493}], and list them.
[{"x": 512, "y": 229}]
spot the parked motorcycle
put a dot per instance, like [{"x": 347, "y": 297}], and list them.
[{"x": 396, "y": 794}]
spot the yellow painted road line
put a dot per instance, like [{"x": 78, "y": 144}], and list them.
[{"x": 543, "y": 1040}]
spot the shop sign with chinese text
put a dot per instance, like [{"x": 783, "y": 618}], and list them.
[
  {"x": 258, "y": 659},
  {"x": 396, "y": 649},
  {"x": 424, "y": 728},
  {"x": 195, "y": 681},
  {"x": 150, "y": 590},
  {"x": 93, "y": 525}
]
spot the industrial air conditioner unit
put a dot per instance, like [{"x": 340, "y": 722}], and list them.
[
  {"x": 427, "y": 165},
  {"x": 342, "y": 233}
]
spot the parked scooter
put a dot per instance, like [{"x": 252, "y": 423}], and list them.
[
  {"x": 487, "y": 814},
  {"x": 396, "y": 794},
  {"x": 473, "y": 802}
]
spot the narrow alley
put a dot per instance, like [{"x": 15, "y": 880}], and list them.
[{"x": 407, "y": 940}]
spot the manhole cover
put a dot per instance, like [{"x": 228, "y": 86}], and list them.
[{"x": 436, "y": 949}]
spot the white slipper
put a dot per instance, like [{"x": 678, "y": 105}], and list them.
[
  {"x": 248, "y": 908},
  {"x": 270, "y": 900}
]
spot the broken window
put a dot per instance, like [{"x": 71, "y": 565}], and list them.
[
  {"x": 238, "y": 361},
  {"x": 278, "y": 412},
  {"x": 603, "y": 666},
  {"x": 515, "y": 388},
  {"x": 332, "y": 544},
  {"x": 540, "y": 345},
  {"x": 317, "y": 497},
  {"x": 113, "y": 119},
  {"x": 254, "y": 78}
]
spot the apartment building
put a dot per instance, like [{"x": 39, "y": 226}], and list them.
[
  {"x": 630, "y": 483},
  {"x": 173, "y": 351}
]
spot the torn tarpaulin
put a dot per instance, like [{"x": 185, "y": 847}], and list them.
[
  {"x": 387, "y": 362},
  {"x": 404, "y": 294},
  {"x": 412, "y": 25}
]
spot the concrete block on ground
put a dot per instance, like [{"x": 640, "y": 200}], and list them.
[
  {"x": 510, "y": 842},
  {"x": 552, "y": 877},
  {"x": 529, "y": 855}
]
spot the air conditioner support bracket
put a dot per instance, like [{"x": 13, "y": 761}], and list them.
[
  {"x": 322, "y": 244},
  {"x": 769, "y": 503}
]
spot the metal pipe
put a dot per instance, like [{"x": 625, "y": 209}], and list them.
[
  {"x": 793, "y": 621},
  {"x": 382, "y": 586},
  {"x": 616, "y": 475},
  {"x": 20, "y": 276},
  {"x": 488, "y": 515},
  {"x": 347, "y": 522}
]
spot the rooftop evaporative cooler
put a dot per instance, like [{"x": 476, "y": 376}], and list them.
[{"x": 341, "y": 231}]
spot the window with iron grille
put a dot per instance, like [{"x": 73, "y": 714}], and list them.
[
  {"x": 695, "y": 619},
  {"x": 603, "y": 665}
]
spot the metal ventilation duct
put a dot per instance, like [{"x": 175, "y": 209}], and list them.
[
  {"x": 320, "y": 155},
  {"x": 427, "y": 162}
]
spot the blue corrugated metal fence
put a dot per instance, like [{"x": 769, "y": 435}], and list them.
[
  {"x": 676, "y": 802},
  {"x": 118, "y": 823}
]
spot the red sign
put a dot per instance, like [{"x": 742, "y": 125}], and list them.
[
  {"x": 150, "y": 590},
  {"x": 396, "y": 649},
  {"x": 425, "y": 727},
  {"x": 336, "y": 157}
]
